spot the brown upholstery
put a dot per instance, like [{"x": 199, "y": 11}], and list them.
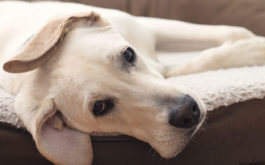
[{"x": 247, "y": 13}]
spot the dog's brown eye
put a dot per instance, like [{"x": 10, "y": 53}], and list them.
[
  {"x": 129, "y": 55},
  {"x": 101, "y": 107}
]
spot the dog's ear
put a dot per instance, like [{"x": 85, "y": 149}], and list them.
[
  {"x": 56, "y": 141},
  {"x": 42, "y": 45}
]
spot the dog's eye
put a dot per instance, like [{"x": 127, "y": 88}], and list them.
[
  {"x": 101, "y": 107},
  {"x": 129, "y": 55}
]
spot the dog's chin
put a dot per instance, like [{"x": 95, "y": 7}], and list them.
[
  {"x": 170, "y": 147},
  {"x": 173, "y": 146},
  {"x": 168, "y": 150}
]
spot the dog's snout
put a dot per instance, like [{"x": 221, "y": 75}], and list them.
[{"x": 186, "y": 113}]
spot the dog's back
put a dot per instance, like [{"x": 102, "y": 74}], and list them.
[{"x": 21, "y": 20}]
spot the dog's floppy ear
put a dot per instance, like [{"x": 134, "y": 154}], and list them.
[
  {"x": 42, "y": 45},
  {"x": 56, "y": 141}
]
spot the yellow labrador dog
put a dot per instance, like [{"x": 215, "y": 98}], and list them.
[{"x": 79, "y": 69}]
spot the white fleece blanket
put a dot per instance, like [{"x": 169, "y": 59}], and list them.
[{"x": 215, "y": 88}]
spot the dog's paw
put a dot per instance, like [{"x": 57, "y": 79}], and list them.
[{"x": 236, "y": 33}]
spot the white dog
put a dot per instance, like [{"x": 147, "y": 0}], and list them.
[{"x": 78, "y": 70}]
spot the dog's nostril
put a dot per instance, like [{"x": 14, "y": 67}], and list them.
[
  {"x": 186, "y": 113},
  {"x": 196, "y": 112}
]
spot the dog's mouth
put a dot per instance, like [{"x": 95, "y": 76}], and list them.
[
  {"x": 170, "y": 144},
  {"x": 171, "y": 148}
]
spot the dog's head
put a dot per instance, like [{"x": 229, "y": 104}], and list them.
[{"x": 89, "y": 79}]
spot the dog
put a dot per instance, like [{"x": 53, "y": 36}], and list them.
[{"x": 78, "y": 70}]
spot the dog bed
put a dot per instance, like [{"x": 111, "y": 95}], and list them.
[{"x": 218, "y": 89}]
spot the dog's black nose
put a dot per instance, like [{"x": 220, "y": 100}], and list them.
[{"x": 186, "y": 113}]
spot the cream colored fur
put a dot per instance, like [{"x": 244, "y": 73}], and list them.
[{"x": 59, "y": 58}]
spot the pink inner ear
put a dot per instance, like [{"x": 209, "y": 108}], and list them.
[{"x": 65, "y": 146}]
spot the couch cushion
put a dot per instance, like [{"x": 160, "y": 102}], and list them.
[{"x": 246, "y": 13}]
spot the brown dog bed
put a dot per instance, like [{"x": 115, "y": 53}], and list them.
[{"x": 233, "y": 135}]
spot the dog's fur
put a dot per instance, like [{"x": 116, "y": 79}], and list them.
[{"x": 59, "y": 58}]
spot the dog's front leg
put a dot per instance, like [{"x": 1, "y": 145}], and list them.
[
  {"x": 247, "y": 52},
  {"x": 173, "y": 35}
]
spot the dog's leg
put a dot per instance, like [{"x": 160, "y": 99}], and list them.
[
  {"x": 245, "y": 52},
  {"x": 182, "y": 36}
]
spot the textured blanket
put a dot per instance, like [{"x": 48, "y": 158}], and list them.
[
  {"x": 226, "y": 87},
  {"x": 215, "y": 88}
]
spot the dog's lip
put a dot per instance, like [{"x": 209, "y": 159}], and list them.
[{"x": 190, "y": 132}]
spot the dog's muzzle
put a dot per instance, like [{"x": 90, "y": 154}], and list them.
[{"x": 186, "y": 113}]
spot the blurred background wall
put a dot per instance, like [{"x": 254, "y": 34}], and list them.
[{"x": 247, "y": 13}]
